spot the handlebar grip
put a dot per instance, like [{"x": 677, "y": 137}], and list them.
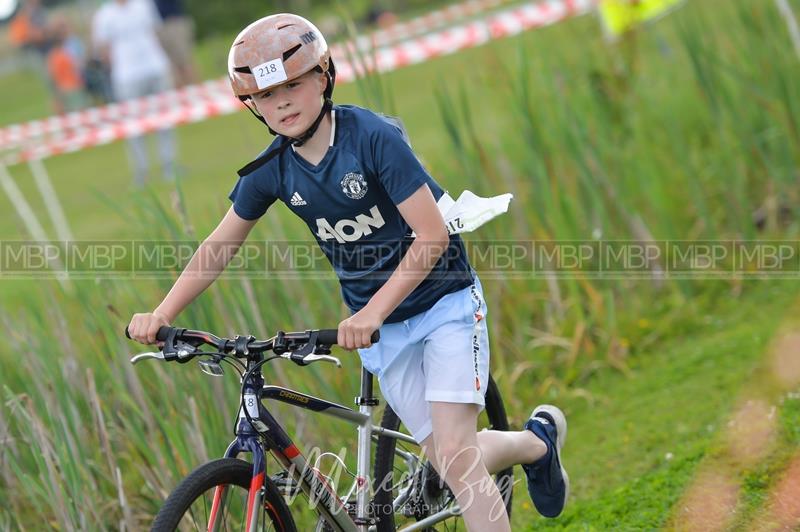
[
  {"x": 329, "y": 336},
  {"x": 162, "y": 333}
]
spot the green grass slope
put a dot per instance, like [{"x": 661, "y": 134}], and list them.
[{"x": 634, "y": 441}]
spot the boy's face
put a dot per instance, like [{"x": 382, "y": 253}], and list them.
[{"x": 290, "y": 108}]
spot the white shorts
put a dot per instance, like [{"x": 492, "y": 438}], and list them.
[{"x": 441, "y": 354}]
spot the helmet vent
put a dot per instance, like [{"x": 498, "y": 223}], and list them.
[
  {"x": 290, "y": 52},
  {"x": 284, "y": 26},
  {"x": 238, "y": 43},
  {"x": 243, "y": 70}
]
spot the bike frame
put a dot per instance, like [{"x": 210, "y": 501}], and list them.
[{"x": 280, "y": 445}]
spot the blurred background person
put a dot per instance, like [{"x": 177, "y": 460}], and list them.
[
  {"x": 380, "y": 16},
  {"x": 124, "y": 35},
  {"x": 97, "y": 77},
  {"x": 28, "y": 29},
  {"x": 177, "y": 37},
  {"x": 66, "y": 60},
  {"x": 28, "y": 33}
]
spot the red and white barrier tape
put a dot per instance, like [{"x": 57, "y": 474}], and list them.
[
  {"x": 107, "y": 133},
  {"x": 502, "y": 24},
  {"x": 425, "y": 23},
  {"x": 189, "y": 105},
  {"x": 19, "y": 134}
]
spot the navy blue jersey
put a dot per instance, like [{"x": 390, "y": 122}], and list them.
[{"x": 349, "y": 203}]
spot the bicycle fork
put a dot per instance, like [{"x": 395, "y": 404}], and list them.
[
  {"x": 246, "y": 441},
  {"x": 254, "y": 497}
]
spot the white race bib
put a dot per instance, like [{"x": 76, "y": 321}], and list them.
[
  {"x": 269, "y": 73},
  {"x": 470, "y": 211}
]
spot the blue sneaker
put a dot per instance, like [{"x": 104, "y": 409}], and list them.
[{"x": 548, "y": 483}]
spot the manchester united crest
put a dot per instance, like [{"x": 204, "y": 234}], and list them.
[{"x": 354, "y": 185}]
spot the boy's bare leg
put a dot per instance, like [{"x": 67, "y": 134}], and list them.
[
  {"x": 501, "y": 450},
  {"x": 458, "y": 458}
]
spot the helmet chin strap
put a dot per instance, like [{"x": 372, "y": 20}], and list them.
[
  {"x": 285, "y": 140},
  {"x": 326, "y": 107}
]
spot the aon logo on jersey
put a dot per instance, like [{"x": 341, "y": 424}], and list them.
[{"x": 350, "y": 230}]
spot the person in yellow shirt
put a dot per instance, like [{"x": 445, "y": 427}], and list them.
[{"x": 620, "y": 16}]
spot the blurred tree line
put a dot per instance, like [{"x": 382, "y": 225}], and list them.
[
  {"x": 228, "y": 17},
  {"x": 213, "y": 18}
]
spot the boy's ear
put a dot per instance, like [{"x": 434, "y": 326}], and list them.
[{"x": 324, "y": 79}]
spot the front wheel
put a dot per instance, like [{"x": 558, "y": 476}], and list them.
[
  {"x": 219, "y": 491},
  {"x": 407, "y": 489}
]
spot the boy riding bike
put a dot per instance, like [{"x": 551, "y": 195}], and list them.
[{"x": 354, "y": 180}]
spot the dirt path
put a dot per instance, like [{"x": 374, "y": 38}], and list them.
[
  {"x": 782, "y": 510},
  {"x": 711, "y": 501}
]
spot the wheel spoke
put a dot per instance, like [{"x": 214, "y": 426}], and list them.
[
  {"x": 224, "y": 508},
  {"x": 193, "y": 518},
  {"x": 226, "y": 481},
  {"x": 205, "y": 511}
]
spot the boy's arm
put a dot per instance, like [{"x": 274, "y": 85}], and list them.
[
  {"x": 421, "y": 213},
  {"x": 204, "y": 267}
]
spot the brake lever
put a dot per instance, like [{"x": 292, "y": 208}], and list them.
[
  {"x": 305, "y": 360},
  {"x": 323, "y": 358},
  {"x": 183, "y": 354},
  {"x": 146, "y": 356}
]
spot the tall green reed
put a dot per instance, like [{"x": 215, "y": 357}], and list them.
[
  {"x": 80, "y": 420},
  {"x": 652, "y": 138}
]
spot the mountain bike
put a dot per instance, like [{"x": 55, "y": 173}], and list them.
[{"x": 404, "y": 492}]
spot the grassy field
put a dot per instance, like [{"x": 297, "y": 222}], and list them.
[
  {"x": 660, "y": 136},
  {"x": 636, "y": 440}
]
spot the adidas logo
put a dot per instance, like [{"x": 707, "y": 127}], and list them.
[{"x": 297, "y": 200}]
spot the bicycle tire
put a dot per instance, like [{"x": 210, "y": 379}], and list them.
[
  {"x": 385, "y": 457},
  {"x": 225, "y": 471}
]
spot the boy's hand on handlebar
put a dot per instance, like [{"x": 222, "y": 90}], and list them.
[
  {"x": 355, "y": 331},
  {"x": 143, "y": 327}
]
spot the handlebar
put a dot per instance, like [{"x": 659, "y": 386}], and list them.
[{"x": 180, "y": 344}]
